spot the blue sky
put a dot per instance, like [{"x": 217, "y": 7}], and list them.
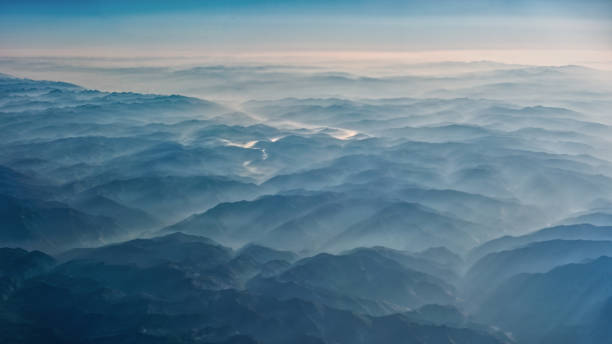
[
  {"x": 592, "y": 8},
  {"x": 124, "y": 28}
]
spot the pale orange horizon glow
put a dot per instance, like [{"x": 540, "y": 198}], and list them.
[{"x": 598, "y": 59}]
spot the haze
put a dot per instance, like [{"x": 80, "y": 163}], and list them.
[{"x": 306, "y": 172}]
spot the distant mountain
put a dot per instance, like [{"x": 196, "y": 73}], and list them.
[
  {"x": 129, "y": 218},
  {"x": 37, "y": 95},
  {"x": 476, "y": 208},
  {"x": 51, "y": 226},
  {"x": 216, "y": 316},
  {"x": 17, "y": 265},
  {"x": 447, "y": 133},
  {"x": 572, "y": 304},
  {"x": 358, "y": 166},
  {"x": 175, "y": 287},
  {"x": 332, "y": 208},
  {"x": 235, "y": 134},
  {"x": 19, "y": 185},
  {"x": 316, "y": 227},
  {"x": 172, "y": 248},
  {"x": 175, "y": 159},
  {"x": 597, "y": 218},
  {"x": 495, "y": 268},
  {"x": 199, "y": 260},
  {"x": 330, "y": 221},
  {"x": 569, "y": 232},
  {"x": 358, "y": 274},
  {"x": 248, "y": 221},
  {"x": 409, "y": 226},
  {"x": 22, "y": 263},
  {"x": 96, "y": 150},
  {"x": 438, "y": 262},
  {"x": 263, "y": 255},
  {"x": 174, "y": 197},
  {"x": 442, "y": 256}
]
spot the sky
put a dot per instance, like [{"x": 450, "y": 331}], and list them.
[{"x": 560, "y": 31}]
